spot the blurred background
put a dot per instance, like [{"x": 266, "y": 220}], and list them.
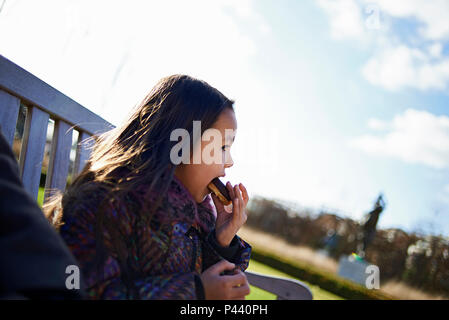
[{"x": 337, "y": 102}]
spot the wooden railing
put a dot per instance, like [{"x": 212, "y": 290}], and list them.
[{"x": 44, "y": 102}]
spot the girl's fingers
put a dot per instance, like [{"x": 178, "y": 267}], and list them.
[
  {"x": 240, "y": 286},
  {"x": 236, "y": 209},
  {"x": 237, "y": 192},
  {"x": 238, "y": 279},
  {"x": 245, "y": 193},
  {"x": 235, "y": 203},
  {"x": 241, "y": 291},
  {"x": 230, "y": 189},
  {"x": 239, "y": 195},
  {"x": 238, "y": 203}
]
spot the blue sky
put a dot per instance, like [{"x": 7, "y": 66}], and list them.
[{"x": 336, "y": 101}]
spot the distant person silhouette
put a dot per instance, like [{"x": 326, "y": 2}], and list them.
[{"x": 370, "y": 223}]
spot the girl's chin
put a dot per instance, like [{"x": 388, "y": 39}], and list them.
[
  {"x": 207, "y": 192},
  {"x": 203, "y": 195}
]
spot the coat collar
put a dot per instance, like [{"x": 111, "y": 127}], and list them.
[
  {"x": 202, "y": 214},
  {"x": 179, "y": 205}
]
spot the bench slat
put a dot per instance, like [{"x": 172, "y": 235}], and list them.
[
  {"x": 9, "y": 111},
  {"x": 283, "y": 288},
  {"x": 36, "y": 92},
  {"x": 33, "y": 147},
  {"x": 58, "y": 167}
]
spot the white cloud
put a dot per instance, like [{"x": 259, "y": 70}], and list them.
[
  {"x": 345, "y": 18},
  {"x": 349, "y": 18},
  {"x": 399, "y": 67},
  {"x": 432, "y": 14},
  {"x": 403, "y": 66},
  {"x": 415, "y": 137},
  {"x": 395, "y": 64},
  {"x": 376, "y": 124},
  {"x": 435, "y": 50}
]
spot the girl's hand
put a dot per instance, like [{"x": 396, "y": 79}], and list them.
[
  {"x": 229, "y": 222},
  {"x": 218, "y": 287}
]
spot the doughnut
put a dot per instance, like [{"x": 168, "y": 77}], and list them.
[{"x": 220, "y": 190}]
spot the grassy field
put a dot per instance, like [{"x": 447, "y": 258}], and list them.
[
  {"x": 259, "y": 294},
  {"x": 40, "y": 197}
]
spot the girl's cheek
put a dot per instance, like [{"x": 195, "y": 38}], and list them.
[{"x": 229, "y": 161}]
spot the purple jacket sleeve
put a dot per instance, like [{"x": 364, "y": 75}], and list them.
[{"x": 238, "y": 251}]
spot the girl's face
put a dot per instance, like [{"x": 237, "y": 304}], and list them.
[{"x": 196, "y": 177}]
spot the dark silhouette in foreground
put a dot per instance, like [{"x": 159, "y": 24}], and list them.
[{"x": 33, "y": 258}]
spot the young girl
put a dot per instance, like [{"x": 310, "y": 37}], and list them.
[{"x": 142, "y": 227}]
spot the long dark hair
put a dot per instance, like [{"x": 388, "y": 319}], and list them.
[{"x": 136, "y": 153}]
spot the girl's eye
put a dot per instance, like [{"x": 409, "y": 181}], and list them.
[{"x": 224, "y": 147}]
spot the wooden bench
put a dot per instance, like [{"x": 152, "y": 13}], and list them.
[{"x": 43, "y": 102}]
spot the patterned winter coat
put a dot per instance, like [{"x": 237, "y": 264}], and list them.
[{"x": 166, "y": 255}]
